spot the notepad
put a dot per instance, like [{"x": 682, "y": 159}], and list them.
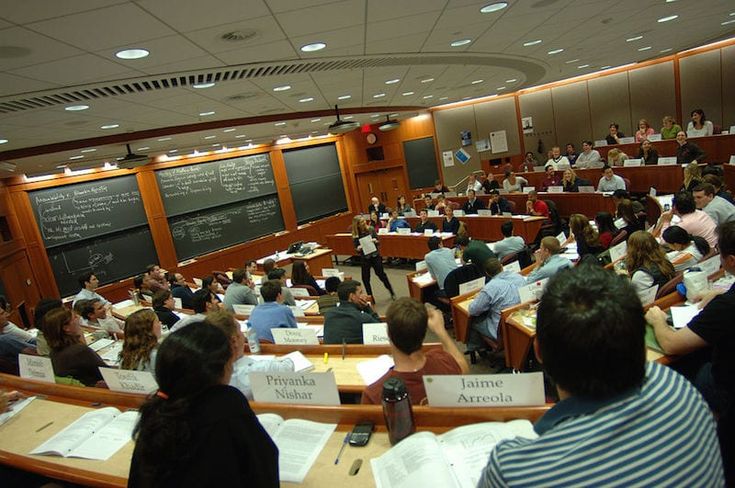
[
  {"x": 373, "y": 369},
  {"x": 681, "y": 316}
]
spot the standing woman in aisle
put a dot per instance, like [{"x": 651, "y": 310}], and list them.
[
  {"x": 197, "y": 430},
  {"x": 361, "y": 229}
]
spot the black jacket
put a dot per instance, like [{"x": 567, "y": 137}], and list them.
[
  {"x": 473, "y": 207},
  {"x": 345, "y": 323}
]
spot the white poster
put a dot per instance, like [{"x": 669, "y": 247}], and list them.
[
  {"x": 448, "y": 158},
  {"x": 527, "y": 123},
  {"x": 499, "y": 141}
]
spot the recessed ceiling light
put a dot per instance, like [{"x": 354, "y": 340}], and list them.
[
  {"x": 231, "y": 129},
  {"x": 405, "y": 94},
  {"x": 636, "y": 38},
  {"x": 76, "y": 157},
  {"x": 667, "y": 18},
  {"x": 91, "y": 149},
  {"x": 727, "y": 22},
  {"x": 314, "y": 46},
  {"x": 583, "y": 66},
  {"x": 555, "y": 51},
  {"x": 732, "y": 14},
  {"x": 164, "y": 139},
  {"x": 460, "y": 42},
  {"x": 379, "y": 95},
  {"x": 173, "y": 150},
  {"x": 109, "y": 126},
  {"x": 344, "y": 97},
  {"x": 428, "y": 96},
  {"x": 512, "y": 80},
  {"x": 144, "y": 148},
  {"x": 500, "y": 88},
  {"x": 3, "y": 141},
  {"x": 280, "y": 124},
  {"x": 316, "y": 120},
  {"x": 493, "y": 7},
  {"x": 240, "y": 136},
  {"x": 644, "y": 48},
  {"x": 132, "y": 53},
  {"x": 200, "y": 86},
  {"x": 76, "y": 108},
  {"x": 210, "y": 137},
  {"x": 475, "y": 82},
  {"x": 281, "y": 88},
  {"x": 393, "y": 81},
  {"x": 205, "y": 114},
  {"x": 571, "y": 61},
  {"x": 307, "y": 99},
  {"x": 427, "y": 80},
  {"x": 532, "y": 43}
]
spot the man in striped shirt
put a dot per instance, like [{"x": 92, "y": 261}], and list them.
[{"x": 620, "y": 421}]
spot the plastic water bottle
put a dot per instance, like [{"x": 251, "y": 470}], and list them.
[
  {"x": 397, "y": 410},
  {"x": 253, "y": 342}
]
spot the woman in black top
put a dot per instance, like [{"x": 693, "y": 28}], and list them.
[
  {"x": 587, "y": 238},
  {"x": 196, "y": 430},
  {"x": 361, "y": 229},
  {"x": 647, "y": 153},
  {"x": 163, "y": 305},
  {"x": 450, "y": 223},
  {"x": 209, "y": 283},
  {"x": 70, "y": 355},
  {"x": 569, "y": 181},
  {"x": 300, "y": 275}
]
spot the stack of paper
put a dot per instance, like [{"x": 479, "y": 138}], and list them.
[{"x": 373, "y": 369}]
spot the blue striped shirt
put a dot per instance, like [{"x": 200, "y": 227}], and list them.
[{"x": 662, "y": 434}]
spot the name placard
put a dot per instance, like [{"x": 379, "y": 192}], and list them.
[
  {"x": 421, "y": 265},
  {"x": 601, "y": 143},
  {"x": 527, "y": 189},
  {"x": 586, "y": 189},
  {"x": 632, "y": 162},
  {"x": 555, "y": 189},
  {"x": 375, "y": 333},
  {"x": 298, "y": 388},
  {"x": 243, "y": 309},
  {"x": 404, "y": 231},
  {"x": 428, "y": 232},
  {"x": 459, "y": 213},
  {"x": 654, "y": 137},
  {"x": 329, "y": 272},
  {"x": 36, "y": 368},
  {"x": 299, "y": 292},
  {"x": 129, "y": 381},
  {"x": 666, "y": 161},
  {"x": 515, "y": 266},
  {"x": 732, "y": 159},
  {"x": 532, "y": 291},
  {"x": 626, "y": 140},
  {"x": 297, "y": 311},
  {"x": 483, "y": 212},
  {"x": 383, "y": 230},
  {"x": 471, "y": 286},
  {"x": 294, "y": 336},
  {"x": 432, "y": 213},
  {"x": 485, "y": 390}
]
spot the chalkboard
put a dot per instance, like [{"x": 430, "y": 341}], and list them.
[
  {"x": 72, "y": 213},
  {"x": 111, "y": 258},
  {"x": 195, "y": 187},
  {"x": 315, "y": 179},
  {"x": 421, "y": 162},
  {"x": 208, "y": 230}
]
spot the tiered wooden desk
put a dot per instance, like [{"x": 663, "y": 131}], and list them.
[
  {"x": 317, "y": 260},
  {"x": 488, "y": 228},
  {"x": 392, "y": 245}
]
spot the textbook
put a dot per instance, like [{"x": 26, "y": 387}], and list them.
[
  {"x": 299, "y": 443},
  {"x": 95, "y": 435},
  {"x": 454, "y": 459}
]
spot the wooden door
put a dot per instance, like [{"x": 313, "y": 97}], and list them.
[
  {"x": 368, "y": 184},
  {"x": 20, "y": 286},
  {"x": 386, "y": 184}
]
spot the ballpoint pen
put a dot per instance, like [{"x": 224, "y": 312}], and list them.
[{"x": 341, "y": 449}]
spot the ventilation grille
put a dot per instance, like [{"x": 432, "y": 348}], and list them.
[{"x": 142, "y": 85}]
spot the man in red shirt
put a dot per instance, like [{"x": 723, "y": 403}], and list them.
[
  {"x": 551, "y": 178},
  {"x": 534, "y": 206},
  {"x": 408, "y": 320}
]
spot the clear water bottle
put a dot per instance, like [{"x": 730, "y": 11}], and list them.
[
  {"x": 397, "y": 410},
  {"x": 253, "y": 342}
]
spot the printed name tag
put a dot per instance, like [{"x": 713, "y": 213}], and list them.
[
  {"x": 294, "y": 336},
  {"x": 471, "y": 286},
  {"x": 515, "y": 266},
  {"x": 601, "y": 143},
  {"x": 404, "y": 231},
  {"x": 428, "y": 232},
  {"x": 632, "y": 162},
  {"x": 561, "y": 237},
  {"x": 586, "y": 189},
  {"x": 654, "y": 137},
  {"x": 555, "y": 189},
  {"x": 129, "y": 381},
  {"x": 376, "y": 333},
  {"x": 299, "y": 292},
  {"x": 532, "y": 291},
  {"x": 485, "y": 390},
  {"x": 297, "y": 311},
  {"x": 243, "y": 309},
  {"x": 432, "y": 213},
  {"x": 298, "y": 388},
  {"x": 483, "y": 212},
  {"x": 36, "y": 368},
  {"x": 459, "y": 213},
  {"x": 383, "y": 230},
  {"x": 527, "y": 189},
  {"x": 421, "y": 265},
  {"x": 667, "y": 161},
  {"x": 327, "y": 272},
  {"x": 627, "y": 140}
]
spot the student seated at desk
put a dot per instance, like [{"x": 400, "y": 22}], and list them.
[
  {"x": 140, "y": 288},
  {"x": 606, "y": 229},
  {"x": 92, "y": 313},
  {"x": 44, "y": 306},
  {"x": 646, "y": 262},
  {"x": 395, "y": 223},
  {"x": 343, "y": 324},
  {"x": 499, "y": 293},
  {"x": 589, "y": 157},
  {"x": 330, "y": 299},
  {"x": 70, "y": 355},
  {"x": 474, "y": 251},
  {"x": 694, "y": 221},
  {"x": 272, "y": 313},
  {"x": 142, "y": 332},
  {"x": 587, "y": 238},
  {"x": 631, "y": 222},
  {"x": 408, "y": 321},
  {"x": 180, "y": 290},
  {"x": 450, "y": 223},
  {"x": 89, "y": 283},
  {"x": 513, "y": 183},
  {"x": 402, "y": 207},
  {"x": 439, "y": 261},
  {"x": 688, "y": 249},
  {"x": 548, "y": 260},
  {"x": 204, "y": 302},
  {"x": 555, "y": 160},
  {"x": 268, "y": 266},
  {"x": 428, "y": 202},
  {"x": 301, "y": 275},
  {"x": 240, "y": 291},
  {"x": 211, "y": 284},
  {"x": 244, "y": 365},
  {"x": 197, "y": 430},
  {"x": 156, "y": 280},
  {"x": 510, "y": 243},
  {"x": 707, "y": 200},
  {"x": 424, "y": 223},
  {"x": 497, "y": 204},
  {"x": 164, "y": 305},
  {"x": 620, "y": 421},
  {"x": 11, "y": 346},
  {"x": 620, "y": 195},
  {"x": 551, "y": 178},
  {"x": 279, "y": 274},
  {"x": 610, "y": 181},
  {"x": 441, "y": 204},
  {"x": 472, "y": 205},
  {"x": 536, "y": 207}
]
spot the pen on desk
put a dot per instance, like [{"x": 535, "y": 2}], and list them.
[
  {"x": 344, "y": 345},
  {"x": 41, "y": 428},
  {"x": 326, "y": 357},
  {"x": 341, "y": 449}
]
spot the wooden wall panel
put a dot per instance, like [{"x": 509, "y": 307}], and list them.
[
  {"x": 701, "y": 85},
  {"x": 652, "y": 93},
  {"x": 610, "y": 102},
  {"x": 496, "y": 115},
  {"x": 728, "y": 87},
  {"x": 571, "y": 114},
  {"x": 449, "y": 124},
  {"x": 538, "y": 105}
]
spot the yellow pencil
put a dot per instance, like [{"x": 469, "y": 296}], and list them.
[{"x": 326, "y": 357}]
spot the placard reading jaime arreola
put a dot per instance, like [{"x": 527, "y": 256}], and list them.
[
  {"x": 485, "y": 390},
  {"x": 297, "y": 388}
]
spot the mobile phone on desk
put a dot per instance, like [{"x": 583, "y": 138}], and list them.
[{"x": 361, "y": 433}]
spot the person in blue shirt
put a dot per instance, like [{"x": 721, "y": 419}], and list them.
[
  {"x": 439, "y": 261},
  {"x": 271, "y": 314},
  {"x": 548, "y": 260},
  {"x": 395, "y": 223}
]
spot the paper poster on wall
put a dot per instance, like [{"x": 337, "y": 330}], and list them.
[
  {"x": 482, "y": 145},
  {"x": 527, "y": 123},
  {"x": 466, "y": 136},
  {"x": 462, "y": 156},
  {"x": 448, "y": 158},
  {"x": 499, "y": 141}
]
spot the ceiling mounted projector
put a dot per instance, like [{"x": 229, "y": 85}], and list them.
[
  {"x": 388, "y": 125},
  {"x": 132, "y": 160},
  {"x": 342, "y": 126}
]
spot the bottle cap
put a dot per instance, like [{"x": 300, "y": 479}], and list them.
[{"x": 394, "y": 389}]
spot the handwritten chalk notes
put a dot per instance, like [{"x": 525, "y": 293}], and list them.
[
  {"x": 37, "y": 368},
  {"x": 298, "y": 388},
  {"x": 485, "y": 390},
  {"x": 295, "y": 336},
  {"x": 129, "y": 381},
  {"x": 376, "y": 333}
]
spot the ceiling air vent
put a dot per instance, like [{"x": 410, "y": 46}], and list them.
[{"x": 240, "y": 35}]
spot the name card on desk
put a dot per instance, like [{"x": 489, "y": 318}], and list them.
[
  {"x": 532, "y": 291},
  {"x": 485, "y": 390},
  {"x": 126, "y": 381},
  {"x": 667, "y": 161},
  {"x": 626, "y": 140},
  {"x": 483, "y": 212},
  {"x": 471, "y": 286},
  {"x": 36, "y": 368},
  {"x": 299, "y": 292},
  {"x": 403, "y": 231},
  {"x": 298, "y": 388},
  {"x": 618, "y": 251},
  {"x": 376, "y": 333},
  {"x": 632, "y": 163},
  {"x": 527, "y": 189},
  {"x": 561, "y": 237},
  {"x": 295, "y": 336},
  {"x": 459, "y": 213},
  {"x": 586, "y": 189},
  {"x": 428, "y": 232},
  {"x": 654, "y": 137},
  {"x": 383, "y": 231},
  {"x": 421, "y": 265},
  {"x": 515, "y": 267},
  {"x": 555, "y": 189},
  {"x": 297, "y": 311},
  {"x": 601, "y": 143},
  {"x": 243, "y": 309},
  {"x": 329, "y": 272},
  {"x": 432, "y": 213},
  {"x": 732, "y": 159}
]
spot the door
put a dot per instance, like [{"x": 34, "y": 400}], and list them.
[{"x": 386, "y": 184}]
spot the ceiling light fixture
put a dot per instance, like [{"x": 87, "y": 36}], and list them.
[
  {"x": 201, "y": 86},
  {"x": 512, "y": 80},
  {"x": 606, "y": 67},
  {"x": 316, "y": 120},
  {"x": 314, "y": 46},
  {"x": 342, "y": 126},
  {"x": 164, "y": 139},
  {"x": 307, "y": 99},
  {"x": 393, "y": 81},
  {"x": 571, "y": 61},
  {"x": 727, "y": 22},
  {"x": 109, "y": 126},
  {"x": 75, "y": 157},
  {"x": 91, "y": 149},
  {"x": 493, "y": 7},
  {"x": 379, "y": 95},
  {"x": 644, "y": 48},
  {"x": 3, "y": 141},
  {"x": 205, "y": 114},
  {"x": 460, "y": 42},
  {"x": 280, "y": 124},
  {"x": 555, "y": 51},
  {"x": 388, "y": 125},
  {"x": 667, "y": 18},
  {"x": 477, "y": 81},
  {"x": 636, "y": 38},
  {"x": 344, "y": 97},
  {"x": 443, "y": 98},
  {"x": 427, "y": 80},
  {"x": 426, "y": 97},
  {"x": 231, "y": 129},
  {"x": 500, "y": 88},
  {"x": 210, "y": 137},
  {"x": 583, "y": 66},
  {"x": 144, "y": 148},
  {"x": 135, "y": 53},
  {"x": 281, "y": 88},
  {"x": 76, "y": 108},
  {"x": 405, "y": 94},
  {"x": 532, "y": 43}
]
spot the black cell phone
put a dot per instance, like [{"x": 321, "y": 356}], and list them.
[{"x": 360, "y": 434}]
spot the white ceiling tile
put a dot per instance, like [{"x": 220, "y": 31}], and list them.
[
  {"x": 322, "y": 18},
  {"x": 17, "y": 85},
  {"x": 278, "y": 6},
  {"x": 403, "y": 44},
  {"x": 193, "y": 64},
  {"x": 31, "y": 48},
  {"x": 390, "y": 9},
  {"x": 21, "y": 12},
  {"x": 264, "y": 30},
  {"x": 186, "y": 15},
  {"x": 76, "y": 70},
  {"x": 257, "y": 54},
  {"x": 401, "y": 27},
  {"x": 165, "y": 50}
]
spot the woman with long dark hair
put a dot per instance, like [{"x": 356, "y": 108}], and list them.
[
  {"x": 605, "y": 228},
  {"x": 300, "y": 275},
  {"x": 70, "y": 355},
  {"x": 689, "y": 249},
  {"x": 197, "y": 430},
  {"x": 587, "y": 238},
  {"x": 142, "y": 331},
  {"x": 373, "y": 260},
  {"x": 646, "y": 262}
]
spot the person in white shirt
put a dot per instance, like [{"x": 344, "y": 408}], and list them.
[
  {"x": 610, "y": 181},
  {"x": 589, "y": 158},
  {"x": 473, "y": 184},
  {"x": 556, "y": 159},
  {"x": 94, "y": 314},
  {"x": 9, "y": 328},
  {"x": 205, "y": 302},
  {"x": 699, "y": 125},
  {"x": 88, "y": 283},
  {"x": 510, "y": 243},
  {"x": 513, "y": 183},
  {"x": 715, "y": 206}
]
